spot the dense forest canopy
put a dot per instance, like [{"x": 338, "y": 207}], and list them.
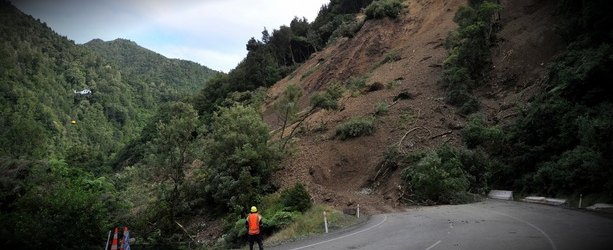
[
  {"x": 53, "y": 131},
  {"x": 563, "y": 144},
  {"x": 177, "y": 77}
]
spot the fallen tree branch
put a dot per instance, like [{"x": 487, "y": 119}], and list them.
[
  {"x": 185, "y": 231},
  {"x": 509, "y": 115},
  {"x": 404, "y": 136},
  {"x": 439, "y": 135}
]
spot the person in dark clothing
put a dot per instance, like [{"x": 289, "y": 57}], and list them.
[{"x": 253, "y": 225}]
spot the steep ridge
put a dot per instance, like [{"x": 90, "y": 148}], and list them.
[
  {"x": 346, "y": 173},
  {"x": 154, "y": 68}
]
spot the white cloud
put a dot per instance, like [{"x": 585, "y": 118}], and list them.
[
  {"x": 211, "y": 32},
  {"x": 216, "y": 60}
]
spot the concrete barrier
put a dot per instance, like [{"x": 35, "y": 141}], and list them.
[
  {"x": 501, "y": 194},
  {"x": 601, "y": 207},
  {"x": 544, "y": 200}
]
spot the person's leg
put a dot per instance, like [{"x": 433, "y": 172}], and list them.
[
  {"x": 260, "y": 242},
  {"x": 251, "y": 240}
]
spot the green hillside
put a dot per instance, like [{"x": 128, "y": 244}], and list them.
[
  {"x": 65, "y": 112},
  {"x": 171, "y": 75}
]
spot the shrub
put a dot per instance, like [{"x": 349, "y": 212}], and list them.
[
  {"x": 435, "y": 181},
  {"x": 383, "y": 8},
  {"x": 446, "y": 175},
  {"x": 381, "y": 108},
  {"x": 475, "y": 133},
  {"x": 392, "y": 56},
  {"x": 469, "y": 53},
  {"x": 357, "y": 83},
  {"x": 393, "y": 84},
  {"x": 329, "y": 99},
  {"x": 296, "y": 198},
  {"x": 469, "y": 107},
  {"x": 356, "y": 127},
  {"x": 56, "y": 196},
  {"x": 347, "y": 29},
  {"x": 279, "y": 220}
]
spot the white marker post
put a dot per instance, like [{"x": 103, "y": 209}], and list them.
[
  {"x": 358, "y": 212},
  {"x": 107, "y": 240},
  {"x": 325, "y": 222},
  {"x": 580, "y": 199}
]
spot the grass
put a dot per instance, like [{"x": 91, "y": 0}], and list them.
[
  {"x": 406, "y": 118},
  {"x": 312, "y": 222},
  {"x": 392, "y": 56}
]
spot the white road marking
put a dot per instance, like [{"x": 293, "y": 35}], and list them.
[
  {"x": 344, "y": 236},
  {"x": 433, "y": 245},
  {"x": 553, "y": 246}
]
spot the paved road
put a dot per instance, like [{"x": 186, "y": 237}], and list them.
[{"x": 491, "y": 224}]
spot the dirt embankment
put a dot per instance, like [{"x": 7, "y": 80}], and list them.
[{"x": 345, "y": 173}]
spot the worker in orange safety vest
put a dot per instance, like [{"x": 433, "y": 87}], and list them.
[{"x": 253, "y": 225}]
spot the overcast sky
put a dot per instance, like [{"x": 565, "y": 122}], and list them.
[{"x": 210, "y": 32}]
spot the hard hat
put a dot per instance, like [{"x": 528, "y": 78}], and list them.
[{"x": 254, "y": 209}]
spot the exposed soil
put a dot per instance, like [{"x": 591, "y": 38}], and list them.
[{"x": 345, "y": 173}]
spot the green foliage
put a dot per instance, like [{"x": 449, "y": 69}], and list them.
[
  {"x": 469, "y": 107},
  {"x": 393, "y": 84},
  {"x": 308, "y": 73},
  {"x": 356, "y": 127},
  {"x": 328, "y": 99},
  {"x": 559, "y": 145},
  {"x": 392, "y": 56},
  {"x": 571, "y": 171},
  {"x": 356, "y": 83},
  {"x": 238, "y": 158},
  {"x": 334, "y": 15},
  {"x": 383, "y": 8},
  {"x": 445, "y": 176},
  {"x": 279, "y": 220},
  {"x": 21, "y": 134},
  {"x": 381, "y": 108},
  {"x": 287, "y": 105},
  {"x": 53, "y": 197},
  {"x": 296, "y": 198},
  {"x": 435, "y": 181},
  {"x": 174, "y": 75},
  {"x": 581, "y": 71},
  {"x": 40, "y": 72},
  {"x": 305, "y": 225},
  {"x": 476, "y": 133},
  {"x": 541, "y": 148},
  {"x": 469, "y": 53},
  {"x": 170, "y": 153},
  {"x": 347, "y": 28}
]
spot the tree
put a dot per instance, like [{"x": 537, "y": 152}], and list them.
[
  {"x": 327, "y": 100},
  {"x": 171, "y": 150},
  {"x": 238, "y": 159},
  {"x": 59, "y": 207},
  {"x": 288, "y": 104},
  {"x": 296, "y": 198}
]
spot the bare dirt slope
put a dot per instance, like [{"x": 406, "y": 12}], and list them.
[{"x": 345, "y": 173}]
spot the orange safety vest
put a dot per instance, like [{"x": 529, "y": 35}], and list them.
[{"x": 254, "y": 223}]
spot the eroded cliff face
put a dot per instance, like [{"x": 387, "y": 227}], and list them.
[{"x": 343, "y": 173}]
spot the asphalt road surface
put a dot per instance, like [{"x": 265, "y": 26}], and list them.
[{"x": 491, "y": 224}]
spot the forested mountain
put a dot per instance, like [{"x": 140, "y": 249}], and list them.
[
  {"x": 171, "y": 75},
  {"x": 65, "y": 111},
  {"x": 41, "y": 71}
]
